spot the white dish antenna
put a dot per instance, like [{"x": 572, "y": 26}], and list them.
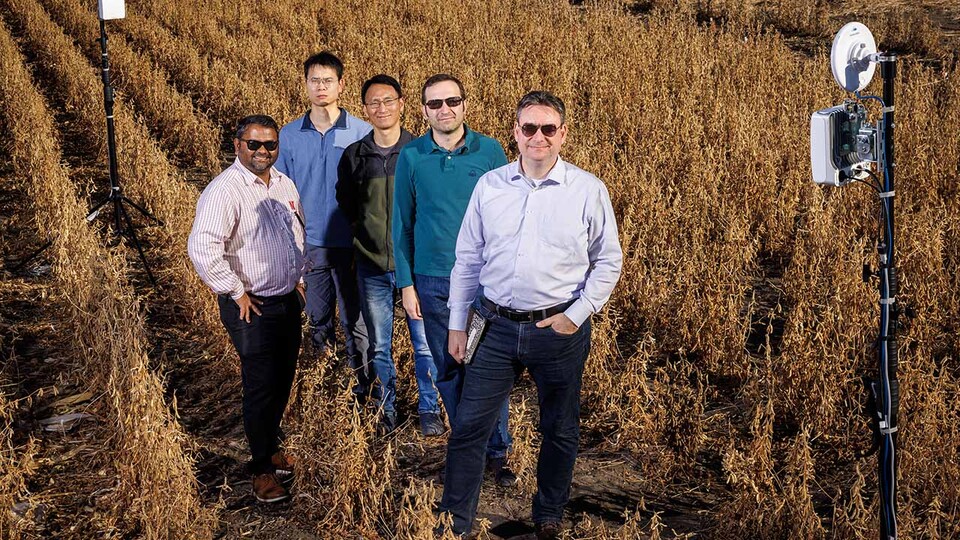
[{"x": 852, "y": 55}]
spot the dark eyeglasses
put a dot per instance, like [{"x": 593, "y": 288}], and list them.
[
  {"x": 548, "y": 130},
  {"x": 255, "y": 145},
  {"x": 450, "y": 101}
]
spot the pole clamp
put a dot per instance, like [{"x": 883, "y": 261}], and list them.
[
  {"x": 887, "y": 194},
  {"x": 888, "y": 108},
  {"x": 889, "y": 431},
  {"x": 887, "y": 301}
]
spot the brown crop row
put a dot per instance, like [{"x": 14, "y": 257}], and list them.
[
  {"x": 145, "y": 172},
  {"x": 182, "y": 131},
  {"x": 157, "y": 489}
]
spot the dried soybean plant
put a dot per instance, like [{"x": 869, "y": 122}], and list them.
[{"x": 157, "y": 485}]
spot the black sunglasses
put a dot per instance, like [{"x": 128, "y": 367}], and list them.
[
  {"x": 255, "y": 145},
  {"x": 548, "y": 130},
  {"x": 450, "y": 101}
]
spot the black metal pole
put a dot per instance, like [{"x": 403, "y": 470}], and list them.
[
  {"x": 889, "y": 395},
  {"x": 108, "y": 107}
]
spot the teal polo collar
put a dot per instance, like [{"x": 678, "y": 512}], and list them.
[{"x": 471, "y": 142}]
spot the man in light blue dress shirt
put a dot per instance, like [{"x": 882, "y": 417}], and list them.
[
  {"x": 539, "y": 238},
  {"x": 310, "y": 150}
]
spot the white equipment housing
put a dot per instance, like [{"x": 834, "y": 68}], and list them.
[
  {"x": 111, "y": 9},
  {"x": 827, "y": 168}
]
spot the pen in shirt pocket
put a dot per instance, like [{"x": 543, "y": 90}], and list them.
[{"x": 293, "y": 206}]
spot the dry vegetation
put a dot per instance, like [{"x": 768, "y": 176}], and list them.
[{"x": 727, "y": 364}]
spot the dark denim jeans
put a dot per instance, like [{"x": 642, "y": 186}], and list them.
[
  {"x": 268, "y": 347},
  {"x": 331, "y": 281},
  {"x": 377, "y": 300},
  {"x": 556, "y": 364},
  {"x": 433, "y": 293}
]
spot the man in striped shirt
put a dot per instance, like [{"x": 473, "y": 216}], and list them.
[{"x": 247, "y": 246}]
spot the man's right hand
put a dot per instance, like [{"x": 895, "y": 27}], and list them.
[
  {"x": 411, "y": 302},
  {"x": 457, "y": 344},
  {"x": 248, "y": 304}
]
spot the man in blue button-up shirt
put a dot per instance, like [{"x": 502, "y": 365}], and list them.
[{"x": 310, "y": 150}]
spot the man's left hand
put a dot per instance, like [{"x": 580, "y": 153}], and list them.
[
  {"x": 301, "y": 289},
  {"x": 561, "y": 324}
]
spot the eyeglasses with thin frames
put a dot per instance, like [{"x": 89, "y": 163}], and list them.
[
  {"x": 325, "y": 82},
  {"x": 376, "y": 104}
]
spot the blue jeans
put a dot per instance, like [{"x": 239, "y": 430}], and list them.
[
  {"x": 331, "y": 281},
  {"x": 556, "y": 364},
  {"x": 377, "y": 301},
  {"x": 433, "y": 293}
]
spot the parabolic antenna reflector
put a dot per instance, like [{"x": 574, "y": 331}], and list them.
[{"x": 850, "y": 57}]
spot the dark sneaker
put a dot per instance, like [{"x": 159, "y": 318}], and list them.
[
  {"x": 502, "y": 474},
  {"x": 268, "y": 489},
  {"x": 431, "y": 424},
  {"x": 388, "y": 423},
  {"x": 548, "y": 531},
  {"x": 283, "y": 464}
]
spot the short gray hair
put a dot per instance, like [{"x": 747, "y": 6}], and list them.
[{"x": 542, "y": 97}]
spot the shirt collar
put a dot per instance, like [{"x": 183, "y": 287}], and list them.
[
  {"x": 470, "y": 142},
  {"x": 341, "y": 122},
  {"x": 557, "y": 175},
  {"x": 369, "y": 147},
  {"x": 249, "y": 178}
]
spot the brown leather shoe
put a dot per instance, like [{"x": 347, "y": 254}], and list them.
[
  {"x": 284, "y": 465},
  {"x": 284, "y": 461},
  {"x": 268, "y": 489}
]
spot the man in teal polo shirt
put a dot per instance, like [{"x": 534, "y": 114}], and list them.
[{"x": 434, "y": 178}]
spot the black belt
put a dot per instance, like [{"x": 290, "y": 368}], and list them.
[{"x": 524, "y": 316}]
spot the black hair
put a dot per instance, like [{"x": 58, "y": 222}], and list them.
[
  {"x": 255, "y": 120},
  {"x": 439, "y": 78},
  {"x": 324, "y": 59},
  {"x": 542, "y": 97},
  {"x": 380, "y": 79}
]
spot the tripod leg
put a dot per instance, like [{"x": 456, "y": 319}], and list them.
[
  {"x": 32, "y": 256},
  {"x": 143, "y": 211},
  {"x": 95, "y": 211},
  {"x": 136, "y": 242},
  {"x": 117, "y": 210}
]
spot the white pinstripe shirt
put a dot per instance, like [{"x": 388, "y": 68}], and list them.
[{"x": 248, "y": 237}]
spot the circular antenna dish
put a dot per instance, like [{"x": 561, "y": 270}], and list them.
[{"x": 850, "y": 57}]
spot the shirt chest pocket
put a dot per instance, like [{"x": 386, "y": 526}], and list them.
[{"x": 563, "y": 232}]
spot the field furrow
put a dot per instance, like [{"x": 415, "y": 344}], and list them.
[
  {"x": 146, "y": 174},
  {"x": 251, "y": 61},
  {"x": 182, "y": 130},
  {"x": 216, "y": 88},
  {"x": 157, "y": 483}
]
